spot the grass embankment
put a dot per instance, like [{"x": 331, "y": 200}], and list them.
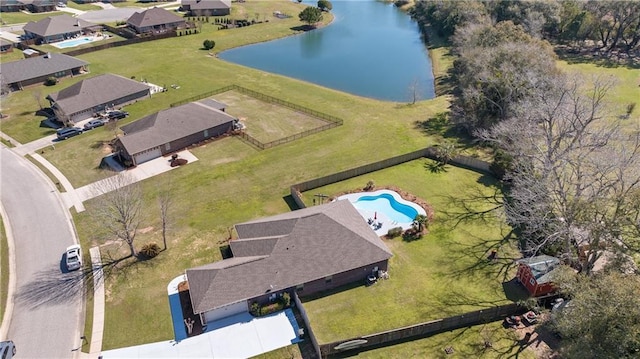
[{"x": 20, "y": 17}]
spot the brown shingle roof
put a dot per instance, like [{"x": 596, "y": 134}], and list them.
[
  {"x": 169, "y": 125},
  {"x": 153, "y": 17},
  {"x": 299, "y": 247},
  {"x": 96, "y": 91},
  {"x": 55, "y": 25},
  {"x": 34, "y": 67}
]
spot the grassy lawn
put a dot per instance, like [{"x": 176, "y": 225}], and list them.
[
  {"x": 265, "y": 121},
  {"x": 233, "y": 182},
  {"x": 21, "y": 17},
  {"x": 440, "y": 275},
  {"x": 83, "y": 7},
  {"x": 290, "y": 352},
  {"x": 14, "y": 55},
  {"x": 46, "y": 172},
  {"x": 467, "y": 343}
]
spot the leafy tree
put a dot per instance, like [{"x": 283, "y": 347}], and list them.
[
  {"x": 602, "y": 319},
  {"x": 325, "y": 5},
  {"x": 445, "y": 152},
  {"x": 311, "y": 15},
  {"x": 208, "y": 44},
  {"x": 446, "y": 16},
  {"x": 420, "y": 222},
  {"x": 498, "y": 67}
]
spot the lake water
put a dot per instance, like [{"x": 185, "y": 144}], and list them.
[{"x": 371, "y": 49}]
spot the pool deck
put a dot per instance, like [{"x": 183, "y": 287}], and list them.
[
  {"x": 378, "y": 220},
  {"x": 63, "y": 42}
]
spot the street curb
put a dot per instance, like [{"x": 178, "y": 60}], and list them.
[{"x": 6, "y": 319}]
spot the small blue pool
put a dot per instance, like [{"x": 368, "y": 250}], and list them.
[
  {"x": 387, "y": 204},
  {"x": 73, "y": 43}
]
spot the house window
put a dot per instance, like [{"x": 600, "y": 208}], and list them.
[
  {"x": 532, "y": 282},
  {"x": 206, "y": 133},
  {"x": 300, "y": 287},
  {"x": 167, "y": 147},
  {"x": 328, "y": 279}
]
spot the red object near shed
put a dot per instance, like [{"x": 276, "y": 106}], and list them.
[{"x": 534, "y": 274}]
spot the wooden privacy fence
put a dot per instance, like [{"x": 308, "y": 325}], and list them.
[
  {"x": 428, "y": 152},
  {"x": 399, "y": 335},
  {"x": 309, "y": 334}
]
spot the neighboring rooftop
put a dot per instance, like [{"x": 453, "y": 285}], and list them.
[
  {"x": 153, "y": 17},
  {"x": 54, "y": 25},
  {"x": 286, "y": 250},
  {"x": 95, "y": 91},
  {"x": 207, "y": 4},
  {"x": 34, "y": 67}
]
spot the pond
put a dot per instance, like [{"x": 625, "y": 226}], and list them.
[{"x": 371, "y": 49}]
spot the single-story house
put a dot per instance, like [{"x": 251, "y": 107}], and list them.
[
  {"x": 535, "y": 274},
  {"x": 27, "y": 5},
  {"x": 58, "y": 28},
  {"x": 155, "y": 20},
  {"x": 35, "y": 70},
  {"x": 171, "y": 130},
  {"x": 5, "y": 46},
  {"x": 87, "y": 97},
  {"x": 307, "y": 251},
  {"x": 207, "y": 7}
]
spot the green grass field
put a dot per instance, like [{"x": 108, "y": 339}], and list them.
[
  {"x": 4, "y": 269},
  {"x": 19, "y": 17},
  {"x": 443, "y": 274},
  {"x": 233, "y": 182}
]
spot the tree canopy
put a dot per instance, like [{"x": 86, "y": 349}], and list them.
[
  {"x": 325, "y": 5},
  {"x": 311, "y": 15}
]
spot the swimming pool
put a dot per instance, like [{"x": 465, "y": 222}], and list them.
[
  {"x": 73, "y": 42},
  {"x": 384, "y": 207}
]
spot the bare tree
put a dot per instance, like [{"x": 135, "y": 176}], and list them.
[
  {"x": 573, "y": 173},
  {"x": 414, "y": 91},
  {"x": 37, "y": 95},
  {"x": 165, "y": 202},
  {"x": 119, "y": 208}
]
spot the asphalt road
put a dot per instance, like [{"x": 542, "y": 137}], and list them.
[{"x": 47, "y": 303}]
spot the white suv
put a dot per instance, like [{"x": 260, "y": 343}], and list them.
[{"x": 7, "y": 350}]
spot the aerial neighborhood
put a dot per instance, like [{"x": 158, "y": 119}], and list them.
[{"x": 318, "y": 179}]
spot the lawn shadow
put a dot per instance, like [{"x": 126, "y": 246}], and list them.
[
  {"x": 598, "y": 58},
  {"x": 435, "y": 167},
  {"x": 333, "y": 291},
  {"x": 288, "y": 199},
  {"x": 514, "y": 291}
]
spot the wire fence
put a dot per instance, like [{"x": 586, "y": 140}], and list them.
[{"x": 331, "y": 121}]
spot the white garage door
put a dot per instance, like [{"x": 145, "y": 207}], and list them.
[
  {"x": 148, "y": 155},
  {"x": 226, "y": 311}
]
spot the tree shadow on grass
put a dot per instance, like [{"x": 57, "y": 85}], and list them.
[{"x": 56, "y": 285}]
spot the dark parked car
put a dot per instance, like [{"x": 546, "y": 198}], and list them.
[
  {"x": 93, "y": 124},
  {"x": 67, "y": 132},
  {"x": 117, "y": 115}
]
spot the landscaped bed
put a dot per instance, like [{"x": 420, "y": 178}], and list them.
[{"x": 442, "y": 274}]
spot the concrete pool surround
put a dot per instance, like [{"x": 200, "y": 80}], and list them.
[{"x": 384, "y": 209}]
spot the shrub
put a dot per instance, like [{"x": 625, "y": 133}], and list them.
[
  {"x": 271, "y": 308},
  {"x": 286, "y": 299},
  {"x": 50, "y": 81},
  {"x": 150, "y": 250},
  {"x": 370, "y": 186},
  {"x": 255, "y": 309},
  {"x": 630, "y": 108},
  {"x": 394, "y": 232},
  {"x": 208, "y": 44}
]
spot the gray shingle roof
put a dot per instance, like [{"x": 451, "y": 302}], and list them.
[
  {"x": 207, "y": 4},
  {"x": 169, "y": 125},
  {"x": 153, "y": 17},
  {"x": 294, "y": 248},
  {"x": 541, "y": 266},
  {"x": 55, "y": 25},
  {"x": 96, "y": 91},
  {"x": 34, "y": 67}
]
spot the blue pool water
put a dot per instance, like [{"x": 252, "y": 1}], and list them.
[
  {"x": 73, "y": 43},
  {"x": 387, "y": 204}
]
